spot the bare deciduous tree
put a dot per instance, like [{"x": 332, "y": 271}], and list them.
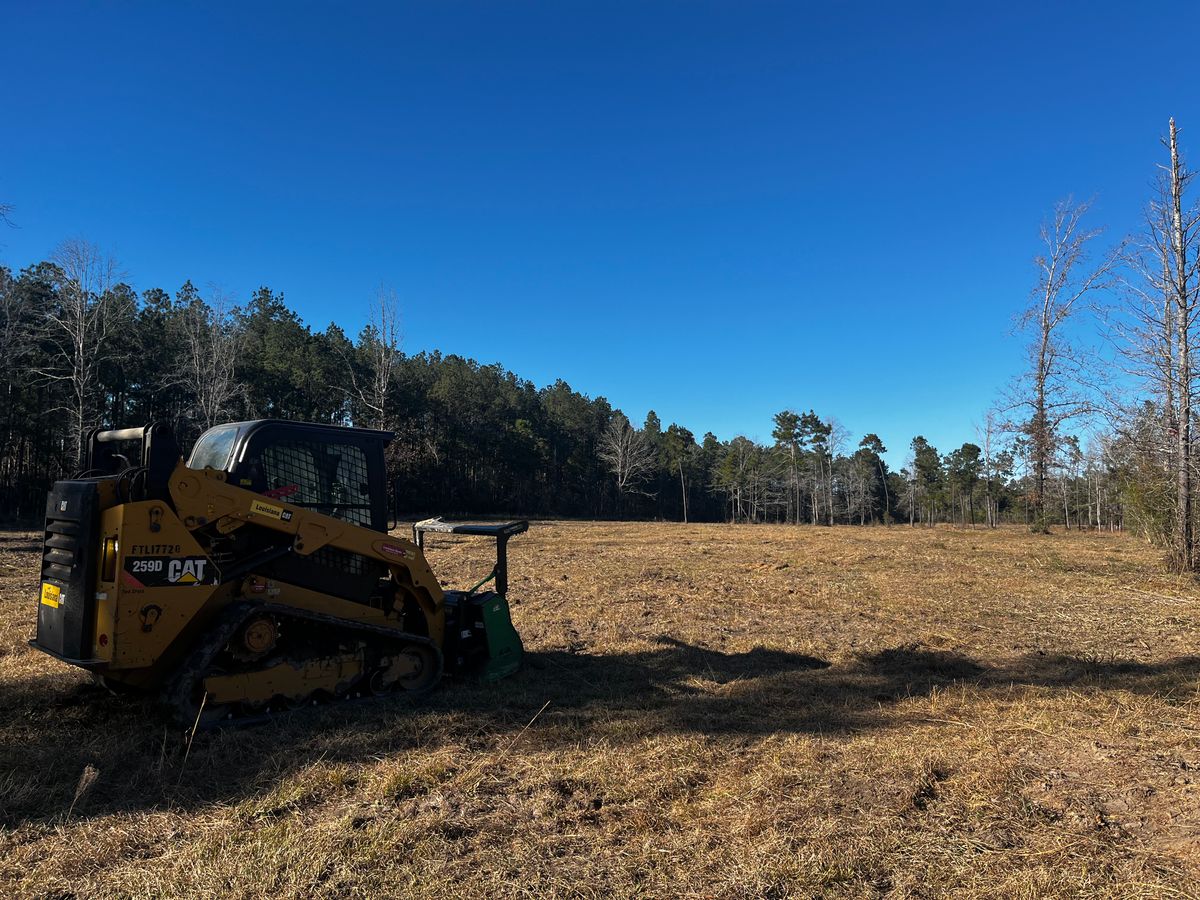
[
  {"x": 80, "y": 330},
  {"x": 1051, "y": 392},
  {"x": 1141, "y": 326},
  {"x": 627, "y": 454},
  {"x": 212, "y": 344},
  {"x": 987, "y": 438},
  {"x": 379, "y": 349},
  {"x": 839, "y": 436}
]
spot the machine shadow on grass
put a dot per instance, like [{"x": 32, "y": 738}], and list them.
[{"x": 53, "y": 726}]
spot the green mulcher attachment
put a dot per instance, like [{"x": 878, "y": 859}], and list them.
[{"x": 480, "y": 638}]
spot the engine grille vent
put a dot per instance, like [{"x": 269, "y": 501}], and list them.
[{"x": 60, "y": 551}]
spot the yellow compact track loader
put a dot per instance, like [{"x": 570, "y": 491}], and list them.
[{"x": 259, "y": 575}]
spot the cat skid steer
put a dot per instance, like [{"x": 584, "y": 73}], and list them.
[{"x": 257, "y": 576}]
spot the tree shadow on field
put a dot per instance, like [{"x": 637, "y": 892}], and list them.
[{"x": 54, "y": 725}]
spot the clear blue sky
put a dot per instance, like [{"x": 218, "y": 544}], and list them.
[{"x": 715, "y": 210}]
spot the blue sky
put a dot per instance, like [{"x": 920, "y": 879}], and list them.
[{"x": 715, "y": 210}]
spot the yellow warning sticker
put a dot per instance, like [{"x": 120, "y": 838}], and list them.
[
  {"x": 50, "y": 594},
  {"x": 266, "y": 509}
]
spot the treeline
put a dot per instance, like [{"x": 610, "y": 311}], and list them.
[{"x": 80, "y": 348}]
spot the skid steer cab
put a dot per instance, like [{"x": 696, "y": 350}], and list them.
[{"x": 259, "y": 575}]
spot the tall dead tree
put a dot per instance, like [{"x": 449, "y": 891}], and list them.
[
  {"x": 1052, "y": 390},
  {"x": 1181, "y": 281},
  {"x": 80, "y": 330}
]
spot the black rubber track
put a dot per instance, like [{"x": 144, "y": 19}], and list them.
[{"x": 179, "y": 693}]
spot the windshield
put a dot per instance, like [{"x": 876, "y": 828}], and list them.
[{"x": 213, "y": 448}]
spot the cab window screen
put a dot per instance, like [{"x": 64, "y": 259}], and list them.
[{"x": 330, "y": 478}]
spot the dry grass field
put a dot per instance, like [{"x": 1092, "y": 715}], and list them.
[{"x": 726, "y": 712}]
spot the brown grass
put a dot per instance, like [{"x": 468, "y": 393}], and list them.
[{"x": 733, "y": 712}]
